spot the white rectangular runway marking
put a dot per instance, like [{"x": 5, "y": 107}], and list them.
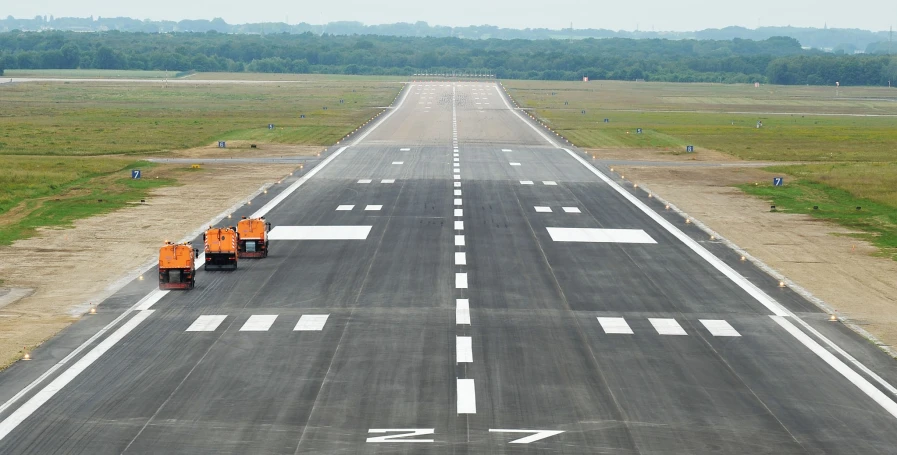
[
  {"x": 456, "y": 154},
  {"x": 206, "y": 323},
  {"x": 388, "y": 181},
  {"x": 459, "y": 240},
  {"x": 457, "y": 184},
  {"x": 456, "y": 159},
  {"x": 467, "y": 401},
  {"x": 459, "y": 212},
  {"x": 456, "y": 177},
  {"x": 615, "y": 325},
  {"x": 458, "y": 201},
  {"x": 460, "y": 258},
  {"x": 457, "y": 192},
  {"x": 405, "y": 150},
  {"x": 258, "y": 323},
  {"x": 311, "y": 322},
  {"x": 364, "y": 181},
  {"x": 463, "y": 350},
  {"x": 456, "y": 164},
  {"x": 373, "y": 208},
  {"x": 666, "y": 326},
  {"x": 462, "y": 311},
  {"x": 526, "y": 182},
  {"x": 456, "y": 170},
  {"x": 599, "y": 235},
  {"x": 515, "y": 164},
  {"x": 571, "y": 209},
  {"x": 459, "y": 225},
  {"x": 460, "y": 281},
  {"x": 342, "y": 208},
  {"x": 319, "y": 232},
  {"x": 719, "y": 328},
  {"x": 550, "y": 182},
  {"x": 540, "y": 209},
  {"x": 398, "y": 162}
]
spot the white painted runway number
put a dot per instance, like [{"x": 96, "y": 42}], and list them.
[
  {"x": 403, "y": 433},
  {"x": 536, "y": 435},
  {"x": 406, "y": 435}
]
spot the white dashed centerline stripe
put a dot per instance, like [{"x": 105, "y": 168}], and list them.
[
  {"x": 459, "y": 240},
  {"x": 460, "y": 258},
  {"x": 463, "y": 350},
  {"x": 462, "y": 312},
  {"x": 461, "y": 280},
  {"x": 459, "y": 212},
  {"x": 467, "y": 402},
  {"x": 459, "y": 225}
]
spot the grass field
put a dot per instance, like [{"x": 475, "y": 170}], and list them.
[
  {"x": 846, "y": 139},
  {"x": 65, "y": 145},
  {"x": 106, "y": 74}
]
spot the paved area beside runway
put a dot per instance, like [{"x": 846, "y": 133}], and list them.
[{"x": 454, "y": 283}]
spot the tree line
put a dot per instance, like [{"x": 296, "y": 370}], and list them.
[
  {"x": 778, "y": 60},
  {"x": 831, "y": 39}
]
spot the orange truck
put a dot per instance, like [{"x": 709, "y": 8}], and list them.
[
  {"x": 177, "y": 266},
  {"x": 221, "y": 248},
  {"x": 253, "y": 242}
]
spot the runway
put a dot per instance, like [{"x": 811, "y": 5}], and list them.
[{"x": 452, "y": 279}]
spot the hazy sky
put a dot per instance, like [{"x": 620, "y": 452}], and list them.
[{"x": 678, "y": 15}]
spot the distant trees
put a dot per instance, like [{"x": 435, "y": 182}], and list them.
[{"x": 778, "y": 60}]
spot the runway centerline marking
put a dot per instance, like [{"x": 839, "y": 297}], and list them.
[
  {"x": 459, "y": 225},
  {"x": 463, "y": 349},
  {"x": 461, "y": 280},
  {"x": 460, "y": 258},
  {"x": 459, "y": 240},
  {"x": 467, "y": 403},
  {"x": 462, "y": 312}
]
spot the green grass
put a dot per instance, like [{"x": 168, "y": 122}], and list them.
[
  {"x": 875, "y": 221},
  {"x": 86, "y": 74},
  {"x": 846, "y": 137},
  {"x": 65, "y": 145},
  {"x": 89, "y": 118},
  {"x": 52, "y": 193}
]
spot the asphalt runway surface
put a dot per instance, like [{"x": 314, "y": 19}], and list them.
[{"x": 453, "y": 279}]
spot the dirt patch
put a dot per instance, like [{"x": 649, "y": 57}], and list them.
[
  {"x": 122, "y": 241},
  {"x": 817, "y": 256},
  {"x": 242, "y": 149},
  {"x": 660, "y": 155}
]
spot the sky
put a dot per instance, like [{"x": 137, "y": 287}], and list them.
[{"x": 669, "y": 15}]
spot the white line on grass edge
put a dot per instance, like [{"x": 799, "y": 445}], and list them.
[
  {"x": 142, "y": 307},
  {"x": 778, "y": 310}
]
